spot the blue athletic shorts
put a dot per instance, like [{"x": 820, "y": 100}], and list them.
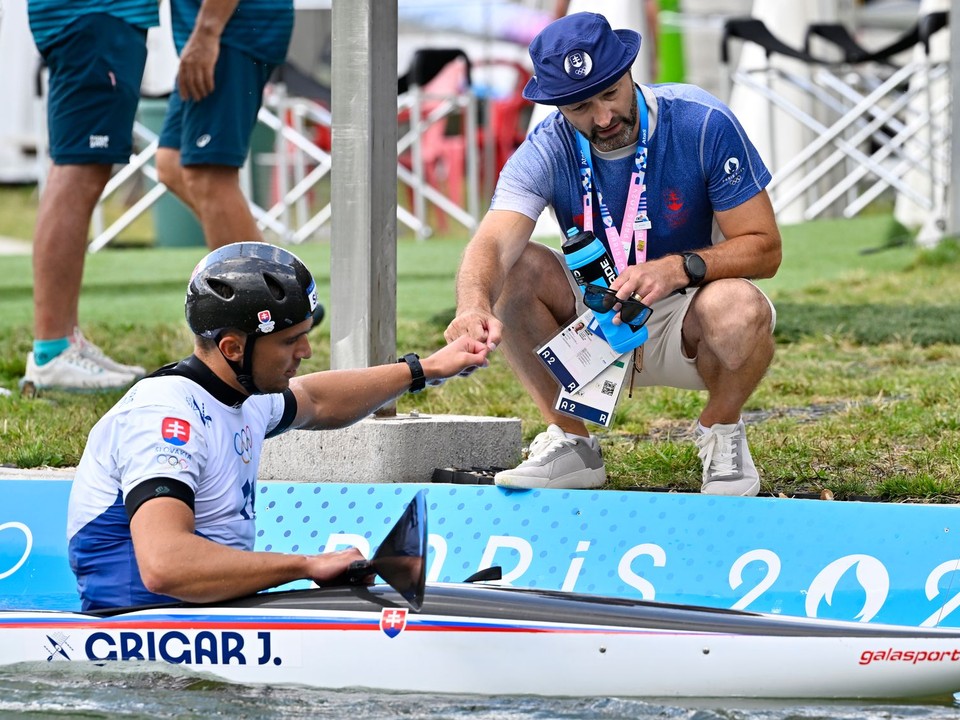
[
  {"x": 95, "y": 72},
  {"x": 217, "y": 129}
]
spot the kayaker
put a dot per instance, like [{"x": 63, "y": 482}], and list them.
[
  {"x": 685, "y": 217},
  {"x": 162, "y": 503}
]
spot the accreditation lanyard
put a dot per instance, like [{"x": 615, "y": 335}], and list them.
[{"x": 635, "y": 217}]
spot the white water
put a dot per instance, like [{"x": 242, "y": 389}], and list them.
[{"x": 147, "y": 691}]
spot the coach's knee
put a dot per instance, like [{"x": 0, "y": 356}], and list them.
[
  {"x": 734, "y": 307},
  {"x": 535, "y": 278},
  {"x": 734, "y": 320}
]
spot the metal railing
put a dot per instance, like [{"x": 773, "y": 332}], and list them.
[{"x": 298, "y": 164}]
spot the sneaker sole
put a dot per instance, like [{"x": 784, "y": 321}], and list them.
[
  {"x": 751, "y": 491},
  {"x": 570, "y": 482},
  {"x": 28, "y": 388}
]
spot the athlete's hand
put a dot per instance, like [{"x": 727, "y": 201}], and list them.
[
  {"x": 331, "y": 568},
  {"x": 460, "y": 357}
]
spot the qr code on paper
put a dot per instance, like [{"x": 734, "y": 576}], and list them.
[{"x": 608, "y": 387}]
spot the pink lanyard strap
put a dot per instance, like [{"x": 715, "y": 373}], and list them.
[{"x": 635, "y": 211}]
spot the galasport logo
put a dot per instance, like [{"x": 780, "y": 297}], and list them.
[
  {"x": 393, "y": 621},
  {"x": 175, "y": 431},
  {"x": 913, "y": 657}
]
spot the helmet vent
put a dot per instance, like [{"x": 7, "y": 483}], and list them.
[
  {"x": 220, "y": 288},
  {"x": 274, "y": 286}
]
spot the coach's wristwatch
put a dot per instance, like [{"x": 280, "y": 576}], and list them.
[{"x": 695, "y": 268}]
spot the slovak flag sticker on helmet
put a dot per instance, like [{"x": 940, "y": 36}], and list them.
[
  {"x": 266, "y": 323},
  {"x": 393, "y": 621},
  {"x": 312, "y": 295},
  {"x": 175, "y": 431}
]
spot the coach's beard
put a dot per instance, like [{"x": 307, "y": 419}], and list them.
[{"x": 623, "y": 137}]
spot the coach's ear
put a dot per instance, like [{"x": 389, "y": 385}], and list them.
[{"x": 231, "y": 345}]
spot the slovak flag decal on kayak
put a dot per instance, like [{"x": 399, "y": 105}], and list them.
[{"x": 393, "y": 621}]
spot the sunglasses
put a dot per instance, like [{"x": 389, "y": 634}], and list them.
[{"x": 602, "y": 299}]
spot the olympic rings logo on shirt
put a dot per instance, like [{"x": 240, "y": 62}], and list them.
[
  {"x": 243, "y": 444},
  {"x": 173, "y": 461}
]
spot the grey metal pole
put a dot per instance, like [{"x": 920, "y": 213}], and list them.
[
  {"x": 953, "y": 190},
  {"x": 363, "y": 254}
]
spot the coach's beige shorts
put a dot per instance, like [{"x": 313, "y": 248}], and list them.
[{"x": 663, "y": 361}]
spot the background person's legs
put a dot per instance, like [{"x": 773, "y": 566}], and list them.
[
  {"x": 61, "y": 357},
  {"x": 213, "y": 193},
  {"x": 60, "y": 245},
  {"x": 224, "y": 212},
  {"x": 170, "y": 173},
  {"x": 204, "y": 143},
  {"x": 95, "y": 68}
]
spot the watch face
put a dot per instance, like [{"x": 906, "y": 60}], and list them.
[{"x": 695, "y": 266}]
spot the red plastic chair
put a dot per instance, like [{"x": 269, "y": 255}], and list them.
[
  {"x": 509, "y": 114},
  {"x": 443, "y": 155}
]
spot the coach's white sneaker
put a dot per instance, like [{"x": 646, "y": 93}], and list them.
[
  {"x": 71, "y": 371},
  {"x": 728, "y": 468},
  {"x": 93, "y": 352},
  {"x": 557, "y": 461}
]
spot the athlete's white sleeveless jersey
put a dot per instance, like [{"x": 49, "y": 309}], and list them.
[{"x": 164, "y": 427}]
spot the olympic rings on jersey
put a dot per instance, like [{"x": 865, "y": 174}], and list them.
[
  {"x": 243, "y": 444},
  {"x": 173, "y": 461}
]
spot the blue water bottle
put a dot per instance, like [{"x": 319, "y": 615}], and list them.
[{"x": 591, "y": 264}]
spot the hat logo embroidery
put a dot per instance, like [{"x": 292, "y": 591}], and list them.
[{"x": 578, "y": 64}]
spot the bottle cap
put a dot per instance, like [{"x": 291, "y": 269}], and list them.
[{"x": 577, "y": 242}]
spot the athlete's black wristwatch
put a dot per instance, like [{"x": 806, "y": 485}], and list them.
[
  {"x": 416, "y": 370},
  {"x": 694, "y": 267}
]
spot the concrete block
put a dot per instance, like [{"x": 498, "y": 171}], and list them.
[{"x": 404, "y": 448}]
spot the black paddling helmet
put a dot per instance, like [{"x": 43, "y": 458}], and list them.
[{"x": 254, "y": 287}]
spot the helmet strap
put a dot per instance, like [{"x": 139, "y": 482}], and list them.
[{"x": 244, "y": 370}]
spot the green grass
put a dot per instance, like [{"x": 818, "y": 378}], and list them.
[{"x": 860, "y": 400}]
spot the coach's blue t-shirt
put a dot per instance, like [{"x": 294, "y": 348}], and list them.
[{"x": 700, "y": 161}]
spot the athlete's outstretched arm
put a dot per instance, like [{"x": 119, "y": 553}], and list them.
[
  {"x": 338, "y": 398},
  {"x": 175, "y": 561}
]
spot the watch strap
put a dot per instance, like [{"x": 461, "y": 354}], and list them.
[{"x": 419, "y": 381}]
